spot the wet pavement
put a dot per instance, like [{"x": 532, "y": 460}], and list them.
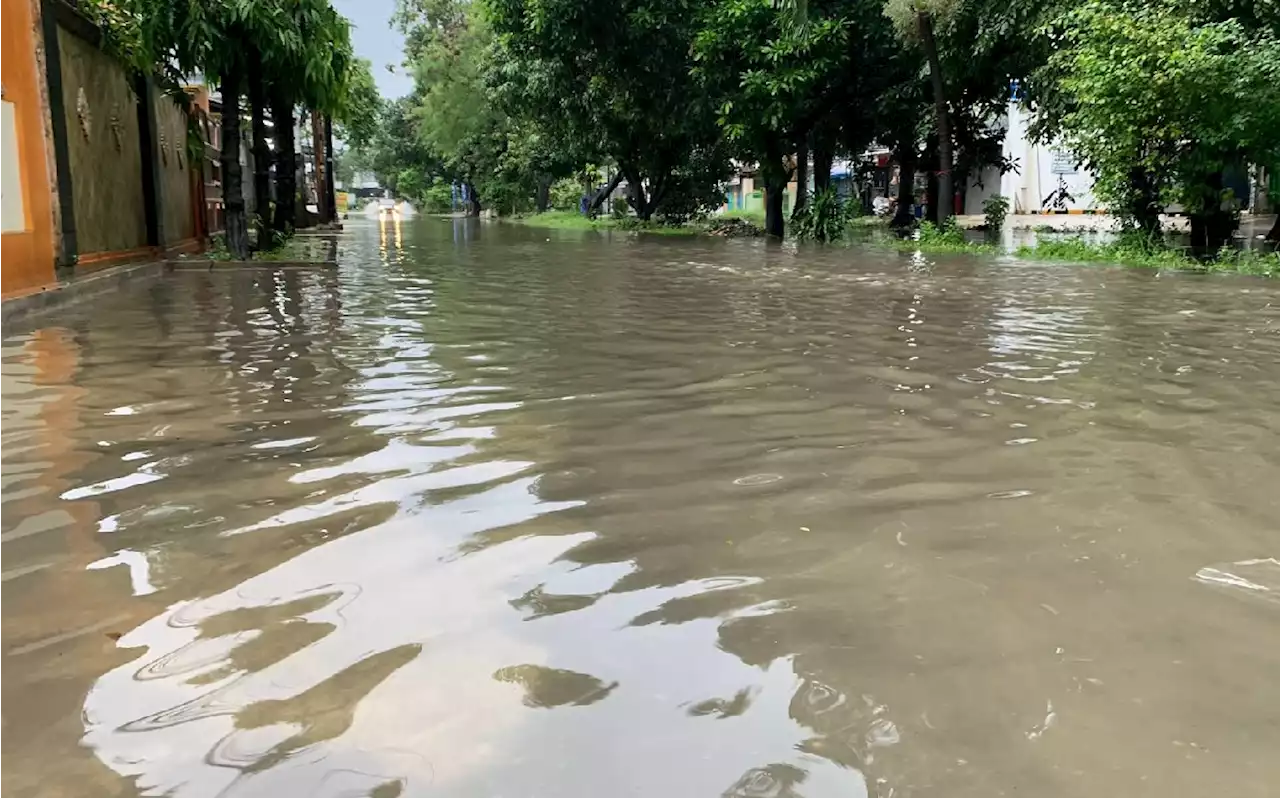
[{"x": 493, "y": 511}]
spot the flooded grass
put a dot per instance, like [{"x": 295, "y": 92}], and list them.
[
  {"x": 293, "y": 249},
  {"x": 572, "y": 220},
  {"x": 1077, "y": 250},
  {"x": 951, "y": 240}
]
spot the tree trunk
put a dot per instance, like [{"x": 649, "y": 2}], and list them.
[
  {"x": 774, "y": 194},
  {"x": 473, "y": 200},
  {"x": 636, "y": 196},
  {"x": 331, "y": 195},
  {"x": 931, "y": 195},
  {"x": 542, "y": 194},
  {"x": 1274, "y": 233},
  {"x": 823, "y": 156},
  {"x": 286, "y": 163},
  {"x": 600, "y": 196},
  {"x": 237, "y": 229},
  {"x": 317, "y": 156},
  {"x": 1211, "y": 226},
  {"x": 907, "y": 158},
  {"x": 1145, "y": 209},
  {"x": 261, "y": 154},
  {"x": 942, "y": 118},
  {"x": 802, "y": 178}
]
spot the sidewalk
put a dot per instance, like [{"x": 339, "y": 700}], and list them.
[{"x": 1250, "y": 226}]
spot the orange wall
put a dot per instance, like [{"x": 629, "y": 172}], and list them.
[{"x": 26, "y": 261}]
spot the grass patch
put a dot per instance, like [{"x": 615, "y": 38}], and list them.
[
  {"x": 946, "y": 240},
  {"x": 932, "y": 239},
  {"x": 294, "y": 249},
  {"x": 564, "y": 220},
  {"x": 753, "y": 215},
  {"x": 572, "y": 220},
  {"x": 1149, "y": 256},
  {"x": 870, "y": 222}
]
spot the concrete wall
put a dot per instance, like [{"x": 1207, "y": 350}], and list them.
[
  {"x": 1034, "y": 179},
  {"x": 104, "y": 148},
  {"x": 26, "y": 262},
  {"x": 177, "y": 214},
  {"x": 988, "y": 184}
]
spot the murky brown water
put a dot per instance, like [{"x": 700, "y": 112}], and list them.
[{"x": 486, "y": 514}]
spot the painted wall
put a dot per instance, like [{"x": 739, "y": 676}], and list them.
[
  {"x": 178, "y": 215},
  {"x": 989, "y": 184},
  {"x": 104, "y": 148},
  {"x": 26, "y": 262},
  {"x": 1034, "y": 179}
]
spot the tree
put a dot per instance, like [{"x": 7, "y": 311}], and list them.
[
  {"x": 614, "y": 78},
  {"x": 320, "y": 73},
  {"x": 358, "y": 115},
  {"x": 1159, "y": 103},
  {"x": 279, "y": 52},
  {"x": 452, "y": 112},
  {"x": 782, "y": 75},
  {"x": 915, "y": 21}
]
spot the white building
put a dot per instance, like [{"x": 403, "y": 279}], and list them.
[{"x": 1043, "y": 179}]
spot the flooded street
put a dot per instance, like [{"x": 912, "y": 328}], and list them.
[{"x": 494, "y": 511}]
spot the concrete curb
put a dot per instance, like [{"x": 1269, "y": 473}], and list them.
[
  {"x": 77, "y": 289},
  {"x": 18, "y": 310},
  {"x": 207, "y": 265}
]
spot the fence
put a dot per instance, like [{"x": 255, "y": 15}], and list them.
[{"x": 122, "y": 181}]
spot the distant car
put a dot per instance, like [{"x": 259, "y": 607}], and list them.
[{"x": 387, "y": 208}]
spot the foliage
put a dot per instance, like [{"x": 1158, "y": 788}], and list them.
[
  {"x": 1155, "y": 99},
  {"x": 996, "y": 209},
  {"x": 1079, "y": 250},
  {"x": 395, "y": 154},
  {"x": 462, "y": 110},
  {"x": 280, "y": 52},
  {"x": 904, "y": 14},
  {"x": 568, "y": 220},
  {"x": 122, "y": 32},
  {"x": 566, "y": 194},
  {"x": 437, "y": 197},
  {"x": 358, "y": 118},
  {"x": 611, "y": 81},
  {"x": 824, "y": 218},
  {"x": 946, "y": 234}
]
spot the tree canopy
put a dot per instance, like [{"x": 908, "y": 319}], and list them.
[{"x": 1156, "y": 98}]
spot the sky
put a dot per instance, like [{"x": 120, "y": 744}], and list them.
[{"x": 373, "y": 38}]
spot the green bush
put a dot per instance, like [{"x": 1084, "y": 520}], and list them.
[
  {"x": 437, "y": 198},
  {"x": 824, "y": 217},
  {"x": 948, "y": 234},
  {"x": 996, "y": 209},
  {"x": 566, "y": 195}
]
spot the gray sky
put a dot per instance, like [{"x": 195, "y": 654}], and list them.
[{"x": 373, "y": 38}]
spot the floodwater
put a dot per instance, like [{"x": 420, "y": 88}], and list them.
[{"x": 492, "y": 511}]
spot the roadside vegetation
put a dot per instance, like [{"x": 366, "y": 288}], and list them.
[
  {"x": 270, "y": 59},
  {"x": 529, "y": 106}
]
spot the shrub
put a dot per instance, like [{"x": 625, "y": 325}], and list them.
[
  {"x": 566, "y": 194},
  {"x": 948, "y": 234},
  {"x": 437, "y": 198},
  {"x": 996, "y": 209},
  {"x": 824, "y": 217}
]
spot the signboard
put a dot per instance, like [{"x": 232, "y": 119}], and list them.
[{"x": 1064, "y": 163}]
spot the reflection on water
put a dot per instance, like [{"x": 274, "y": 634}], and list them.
[{"x": 483, "y": 513}]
